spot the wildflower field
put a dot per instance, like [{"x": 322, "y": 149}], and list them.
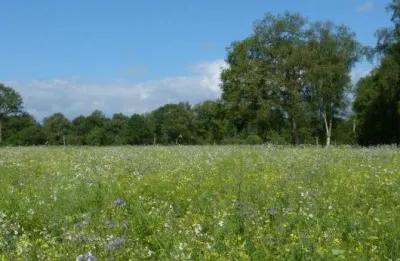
[{"x": 200, "y": 203}]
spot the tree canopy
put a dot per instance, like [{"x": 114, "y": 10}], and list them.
[
  {"x": 289, "y": 76},
  {"x": 377, "y": 103},
  {"x": 10, "y": 104}
]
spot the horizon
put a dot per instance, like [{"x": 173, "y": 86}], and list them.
[{"x": 75, "y": 58}]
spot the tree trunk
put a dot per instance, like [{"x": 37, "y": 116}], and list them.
[
  {"x": 328, "y": 128},
  {"x": 328, "y": 141}
]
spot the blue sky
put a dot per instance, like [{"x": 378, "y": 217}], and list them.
[{"x": 132, "y": 56}]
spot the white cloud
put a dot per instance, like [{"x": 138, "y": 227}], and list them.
[
  {"x": 76, "y": 97},
  {"x": 365, "y": 7}
]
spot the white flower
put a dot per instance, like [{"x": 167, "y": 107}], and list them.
[
  {"x": 86, "y": 257},
  {"x": 197, "y": 229},
  {"x": 181, "y": 246},
  {"x": 150, "y": 253}
]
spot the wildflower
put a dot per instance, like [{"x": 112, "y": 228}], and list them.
[
  {"x": 119, "y": 202},
  {"x": 221, "y": 223},
  {"x": 81, "y": 238},
  {"x": 272, "y": 212},
  {"x": 197, "y": 229},
  {"x": 150, "y": 253},
  {"x": 304, "y": 194},
  {"x": 115, "y": 243},
  {"x": 181, "y": 246},
  {"x": 109, "y": 224},
  {"x": 86, "y": 257},
  {"x": 82, "y": 224},
  {"x": 245, "y": 210}
]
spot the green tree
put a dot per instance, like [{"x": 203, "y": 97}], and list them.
[
  {"x": 287, "y": 75},
  {"x": 251, "y": 91},
  {"x": 10, "y": 104},
  {"x": 23, "y": 130},
  {"x": 389, "y": 37},
  {"x": 209, "y": 122},
  {"x": 96, "y": 128},
  {"x": 117, "y": 130},
  {"x": 80, "y": 128},
  {"x": 139, "y": 131},
  {"x": 173, "y": 124},
  {"x": 282, "y": 40},
  {"x": 333, "y": 52},
  {"x": 56, "y": 128},
  {"x": 96, "y": 137},
  {"x": 377, "y": 103}
]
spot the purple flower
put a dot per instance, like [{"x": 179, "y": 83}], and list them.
[
  {"x": 115, "y": 243},
  {"x": 119, "y": 202}
]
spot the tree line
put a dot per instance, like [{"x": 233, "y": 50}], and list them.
[
  {"x": 204, "y": 123},
  {"x": 287, "y": 83}
]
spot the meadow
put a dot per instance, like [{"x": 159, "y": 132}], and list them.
[{"x": 199, "y": 203}]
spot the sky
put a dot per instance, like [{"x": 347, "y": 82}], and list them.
[{"x": 133, "y": 56}]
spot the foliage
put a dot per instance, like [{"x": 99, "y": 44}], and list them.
[
  {"x": 22, "y": 130},
  {"x": 139, "y": 130},
  {"x": 10, "y": 104},
  {"x": 56, "y": 127},
  {"x": 289, "y": 74},
  {"x": 209, "y": 122},
  {"x": 377, "y": 103},
  {"x": 173, "y": 124},
  {"x": 387, "y": 37},
  {"x": 10, "y": 101}
]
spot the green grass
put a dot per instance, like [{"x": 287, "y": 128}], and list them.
[{"x": 213, "y": 203}]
